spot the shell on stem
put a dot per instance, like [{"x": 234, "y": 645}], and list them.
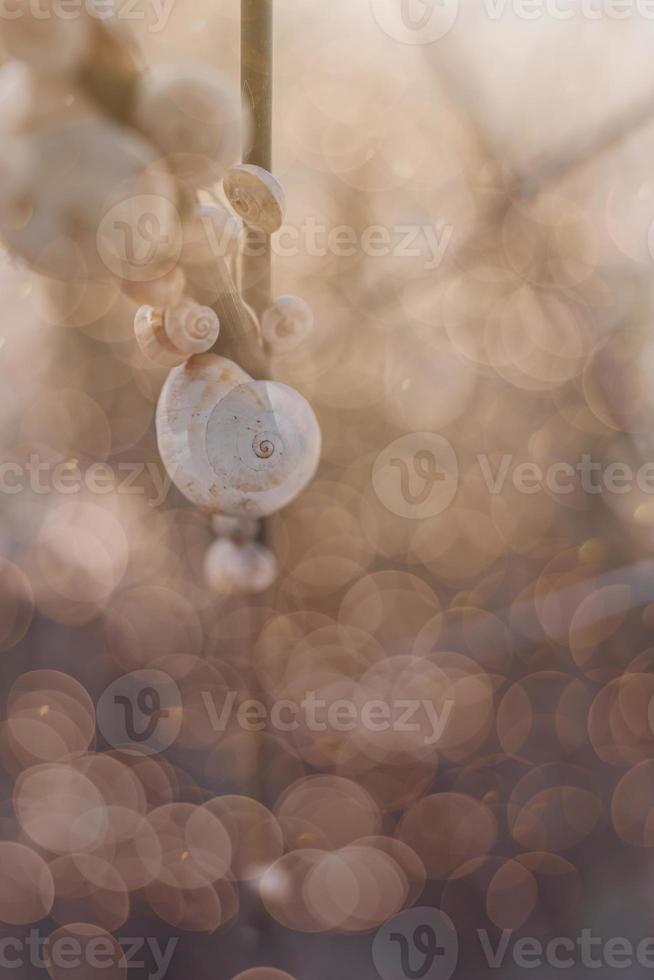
[
  {"x": 256, "y": 196},
  {"x": 232, "y": 445},
  {"x": 170, "y": 336}
]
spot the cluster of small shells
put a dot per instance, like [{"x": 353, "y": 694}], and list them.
[
  {"x": 110, "y": 190},
  {"x": 532, "y": 614}
]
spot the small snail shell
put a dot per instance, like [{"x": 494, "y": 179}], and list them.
[
  {"x": 236, "y": 528},
  {"x": 287, "y": 323},
  {"x": 96, "y": 205},
  {"x": 165, "y": 291},
  {"x": 239, "y": 569},
  {"x": 210, "y": 232},
  {"x": 49, "y": 43},
  {"x": 194, "y": 117},
  {"x": 170, "y": 336},
  {"x": 256, "y": 197},
  {"x": 233, "y": 445}
]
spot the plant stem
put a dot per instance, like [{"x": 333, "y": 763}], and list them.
[{"x": 257, "y": 87}]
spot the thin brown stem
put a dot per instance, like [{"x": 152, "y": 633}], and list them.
[{"x": 257, "y": 87}]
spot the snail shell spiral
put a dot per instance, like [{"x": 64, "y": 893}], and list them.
[
  {"x": 256, "y": 197},
  {"x": 234, "y": 445},
  {"x": 191, "y": 328},
  {"x": 170, "y": 336}
]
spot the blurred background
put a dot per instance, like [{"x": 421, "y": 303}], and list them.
[{"x": 470, "y": 218}]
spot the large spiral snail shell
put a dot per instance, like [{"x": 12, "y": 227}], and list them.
[
  {"x": 256, "y": 196},
  {"x": 233, "y": 445},
  {"x": 170, "y": 336}
]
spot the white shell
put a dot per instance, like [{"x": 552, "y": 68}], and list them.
[
  {"x": 239, "y": 569},
  {"x": 49, "y": 43},
  {"x": 86, "y": 190},
  {"x": 194, "y": 117},
  {"x": 287, "y": 323},
  {"x": 233, "y": 445},
  {"x": 167, "y": 290},
  {"x": 236, "y": 528},
  {"x": 256, "y": 197},
  {"x": 170, "y": 336},
  {"x": 210, "y": 233}
]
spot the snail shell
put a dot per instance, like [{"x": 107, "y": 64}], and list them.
[
  {"x": 194, "y": 117},
  {"x": 239, "y": 569},
  {"x": 233, "y": 445},
  {"x": 210, "y": 233},
  {"x": 256, "y": 197},
  {"x": 170, "y": 336},
  {"x": 236, "y": 528},
  {"x": 50, "y": 43},
  {"x": 287, "y": 323},
  {"x": 94, "y": 204}
]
